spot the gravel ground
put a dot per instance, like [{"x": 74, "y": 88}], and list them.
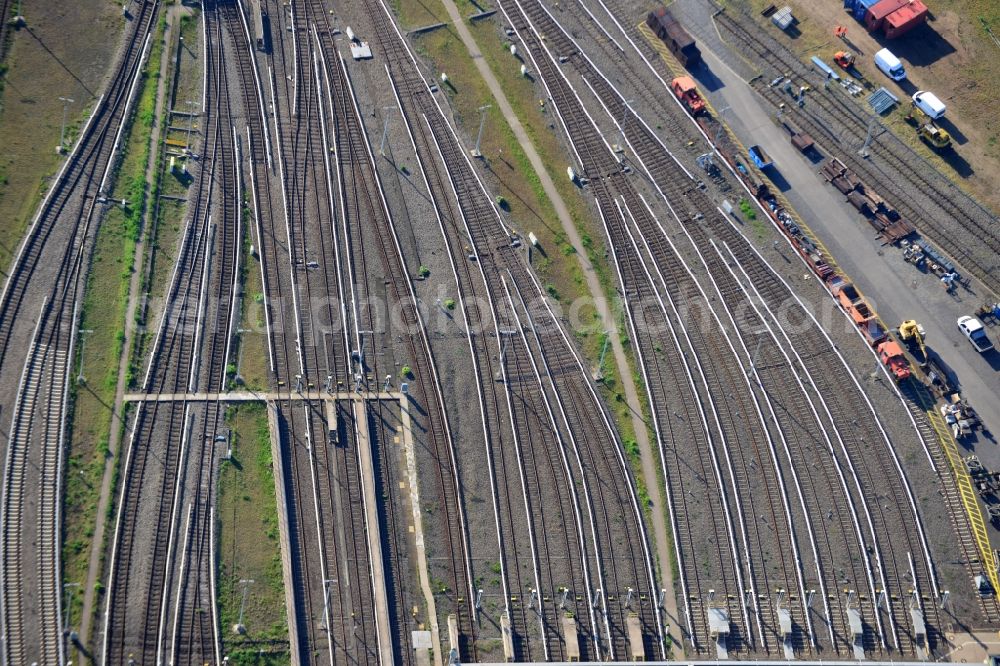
[
  {"x": 470, "y": 465},
  {"x": 422, "y": 245}
]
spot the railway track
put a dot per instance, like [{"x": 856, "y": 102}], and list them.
[
  {"x": 303, "y": 531},
  {"x": 835, "y": 547},
  {"x": 5, "y": 18},
  {"x": 899, "y": 568},
  {"x": 919, "y": 401},
  {"x": 763, "y": 527},
  {"x": 385, "y": 426},
  {"x": 133, "y": 613},
  {"x": 369, "y": 206},
  {"x": 194, "y": 633},
  {"x": 31, "y": 524},
  {"x": 517, "y": 525},
  {"x": 554, "y": 517},
  {"x": 260, "y": 166},
  {"x": 338, "y": 567},
  {"x": 165, "y": 530},
  {"x": 32, "y": 487},
  {"x": 583, "y": 425},
  {"x": 495, "y": 410},
  {"x": 61, "y": 227},
  {"x": 282, "y": 306},
  {"x": 610, "y": 98},
  {"x": 494, "y": 244},
  {"x": 556, "y": 591},
  {"x": 840, "y": 123},
  {"x": 624, "y": 571},
  {"x": 762, "y": 464},
  {"x": 893, "y": 573},
  {"x": 901, "y": 562}
]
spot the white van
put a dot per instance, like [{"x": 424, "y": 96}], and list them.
[
  {"x": 890, "y": 65},
  {"x": 929, "y": 103}
]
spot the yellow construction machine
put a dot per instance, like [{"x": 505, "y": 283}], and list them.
[
  {"x": 913, "y": 334},
  {"x": 934, "y": 136}
]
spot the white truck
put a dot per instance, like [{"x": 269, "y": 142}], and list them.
[
  {"x": 973, "y": 329},
  {"x": 890, "y": 65},
  {"x": 929, "y": 103}
]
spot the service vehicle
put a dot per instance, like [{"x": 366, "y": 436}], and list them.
[
  {"x": 890, "y": 65},
  {"x": 929, "y": 103},
  {"x": 973, "y": 329},
  {"x": 933, "y": 135},
  {"x": 844, "y": 60}
]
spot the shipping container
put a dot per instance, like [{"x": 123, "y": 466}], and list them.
[
  {"x": 859, "y": 8},
  {"x": 904, "y": 19},
  {"x": 759, "y": 157},
  {"x": 877, "y": 13}
]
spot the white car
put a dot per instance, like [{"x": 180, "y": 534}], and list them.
[{"x": 973, "y": 329}]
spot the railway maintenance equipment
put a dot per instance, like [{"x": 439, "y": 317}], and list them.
[
  {"x": 913, "y": 334},
  {"x": 935, "y": 374},
  {"x": 686, "y": 91},
  {"x": 892, "y": 357},
  {"x": 934, "y": 136},
  {"x": 844, "y": 60}
]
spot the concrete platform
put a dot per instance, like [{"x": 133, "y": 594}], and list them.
[{"x": 374, "y": 533}]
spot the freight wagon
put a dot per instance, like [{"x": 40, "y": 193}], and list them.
[{"x": 677, "y": 39}]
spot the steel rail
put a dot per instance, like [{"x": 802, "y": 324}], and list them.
[
  {"x": 559, "y": 438},
  {"x": 429, "y": 383},
  {"x": 477, "y": 359}
]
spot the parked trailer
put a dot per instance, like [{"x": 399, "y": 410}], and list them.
[
  {"x": 759, "y": 157},
  {"x": 677, "y": 39}
]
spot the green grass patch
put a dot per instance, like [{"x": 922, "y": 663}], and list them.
[
  {"x": 249, "y": 547},
  {"x": 31, "y": 114}
]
